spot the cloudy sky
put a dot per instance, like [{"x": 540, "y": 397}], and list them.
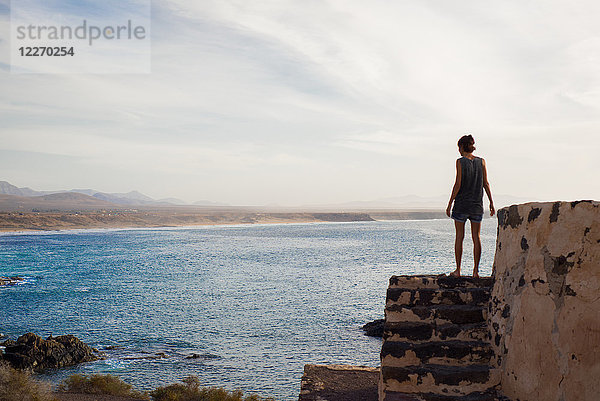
[{"x": 292, "y": 102}]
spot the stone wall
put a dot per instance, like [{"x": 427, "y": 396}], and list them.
[{"x": 544, "y": 314}]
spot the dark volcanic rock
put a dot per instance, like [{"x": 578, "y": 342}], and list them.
[
  {"x": 31, "y": 351},
  {"x": 7, "y": 343},
  {"x": 374, "y": 328},
  {"x": 10, "y": 280},
  {"x": 205, "y": 356}
]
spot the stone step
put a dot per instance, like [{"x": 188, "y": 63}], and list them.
[
  {"x": 438, "y": 379},
  {"x": 438, "y": 314},
  {"x": 490, "y": 395},
  {"x": 401, "y": 353},
  {"x": 434, "y": 296},
  {"x": 439, "y": 281},
  {"x": 423, "y": 332}
]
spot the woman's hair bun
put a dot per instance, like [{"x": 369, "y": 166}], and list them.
[{"x": 466, "y": 143}]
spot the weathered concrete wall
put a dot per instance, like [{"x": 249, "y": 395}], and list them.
[{"x": 545, "y": 308}]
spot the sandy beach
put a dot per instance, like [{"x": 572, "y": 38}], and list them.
[
  {"x": 79, "y": 220},
  {"x": 51, "y": 221}
]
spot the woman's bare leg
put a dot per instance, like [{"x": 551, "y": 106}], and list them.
[
  {"x": 475, "y": 234},
  {"x": 458, "y": 246}
]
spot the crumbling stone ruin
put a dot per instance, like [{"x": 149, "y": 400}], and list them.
[{"x": 530, "y": 332}]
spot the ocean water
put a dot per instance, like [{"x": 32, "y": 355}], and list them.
[{"x": 253, "y": 302}]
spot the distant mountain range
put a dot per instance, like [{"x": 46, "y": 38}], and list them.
[
  {"x": 15, "y": 198},
  {"x": 61, "y": 201}
]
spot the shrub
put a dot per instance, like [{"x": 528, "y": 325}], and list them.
[
  {"x": 190, "y": 390},
  {"x": 18, "y": 385},
  {"x": 99, "y": 384}
]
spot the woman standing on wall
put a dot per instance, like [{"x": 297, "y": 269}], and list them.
[{"x": 467, "y": 195}]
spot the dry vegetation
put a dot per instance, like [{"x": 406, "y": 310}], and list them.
[
  {"x": 17, "y": 385},
  {"x": 100, "y": 384},
  {"x": 190, "y": 390}
]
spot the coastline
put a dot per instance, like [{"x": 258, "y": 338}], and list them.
[
  {"x": 60, "y": 221},
  {"x": 15, "y": 222}
]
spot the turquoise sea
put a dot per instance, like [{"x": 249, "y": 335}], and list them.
[{"x": 254, "y": 303}]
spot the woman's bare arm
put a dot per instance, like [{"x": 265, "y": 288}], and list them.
[
  {"x": 456, "y": 187},
  {"x": 488, "y": 190}
]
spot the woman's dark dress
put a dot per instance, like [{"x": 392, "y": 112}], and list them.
[{"x": 469, "y": 200}]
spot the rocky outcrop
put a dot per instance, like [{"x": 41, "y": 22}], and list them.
[
  {"x": 436, "y": 344},
  {"x": 31, "y": 351},
  {"x": 10, "y": 280},
  {"x": 374, "y": 328},
  {"x": 544, "y": 315},
  {"x": 339, "y": 383}
]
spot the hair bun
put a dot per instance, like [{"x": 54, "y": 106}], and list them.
[{"x": 466, "y": 143}]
